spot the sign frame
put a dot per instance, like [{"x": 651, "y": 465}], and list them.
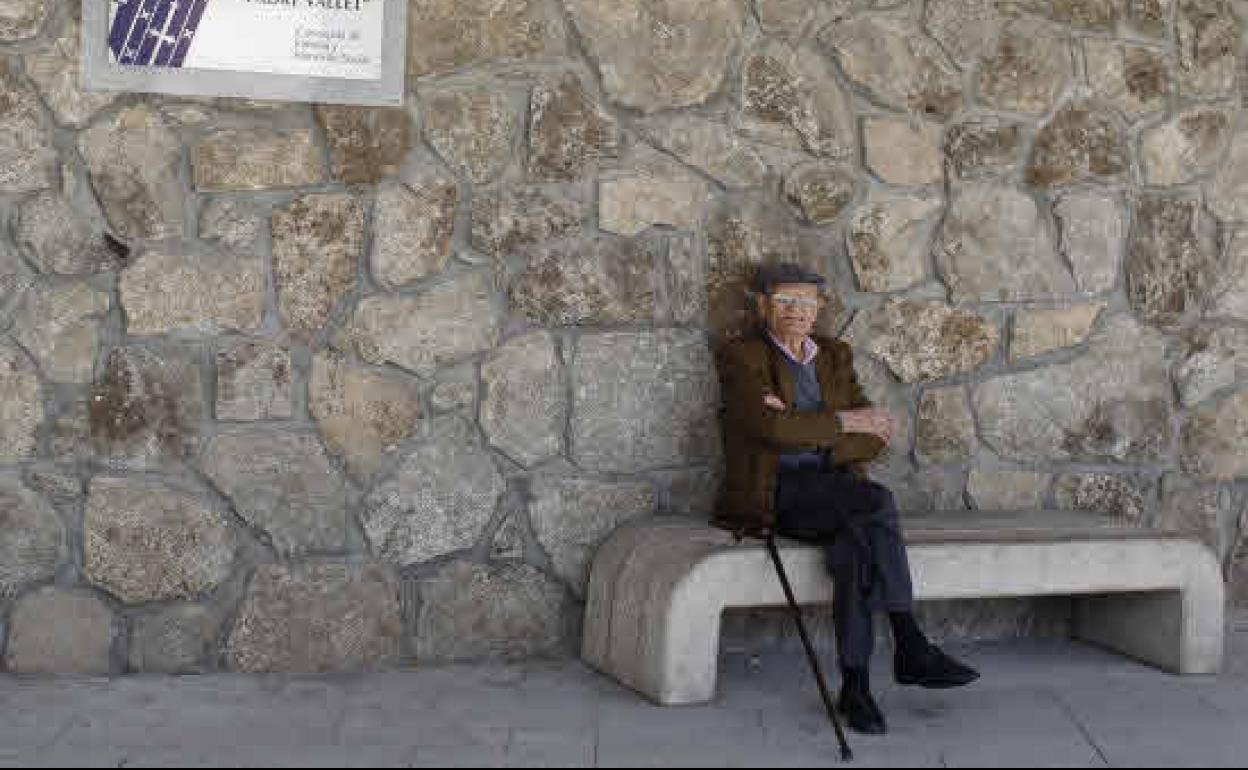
[{"x": 99, "y": 72}]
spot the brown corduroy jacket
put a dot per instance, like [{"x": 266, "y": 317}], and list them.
[{"x": 754, "y": 435}]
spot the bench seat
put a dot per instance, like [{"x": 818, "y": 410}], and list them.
[{"x": 658, "y": 588}]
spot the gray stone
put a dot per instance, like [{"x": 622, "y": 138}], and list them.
[
  {"x": 946, "y": 430},
  {"x": 257, "y": 159},
  {"x": 571, "y": 517},
  {"x": 365, "y": 143},
  {"x": 568, "y": 131},
  {"x": 785, "y": 17},
  {"x": 791, "y": 98},
  {"x": 439, "y": 501},
  {"x": 880, "y": 387},
  {"x": 888, "y": 239},
  {"x": 1209, "y": 40},
  {"x": 317, "y": 618},
  {"x": 897, "y": 63},
  {"x": 820, "y": 190},
  {"x": 654, "y": 194},
  {"x": 455, "y": 389},
  {"x": 505, "y": 221},
  {"x": 22, "y": 19},
  {"x": 1081, "y": 143},
  {"x": 412, "y": 229},
  {"x": 1214, "y": 439},
  {"x": 1208, "y": 512},
  {"x": 1228, "y": 195},
  {"x": 147, "y": 406},
  {"x": 62, "y": 486},
  {"x": 316, "y": 242},
  {"x": 1228, "y": 294},
  {"x": 490, "y": 612},
  {"x": 57, "y": 240},
  {"x": 202, "y": 293},
  {"x": 684, "y": 282},
  {"x": 282, "y": 484},
  {"x": 1170, "y": 261},
  {"x": 509, "y": 538},
  {"x": 134, "y": 159},
  {"x": 525, "y": 406},
  {"x": 179, "y": 640},
  {"x": 1026, "y": 70},
  {"x": 59, "y": 325},
  {"x": 643, "y": 400},
  {"x": 147, "y": 541},
  {"x": 691, "y": 492},
  {"x": 922, "y": 340},
  {"x": 1039, "y": 331},
  {"x": 1092, "y": 232},
  {"x": 59, "y": 631},
  {"x": 448, "y": 322},
  {"x": 1004, "y": 489},
  {"x": 658, "y": 54},
  {"x": 253, "y": 381},
  {"x": 362, "y": 414},
  {"x": 32, "y": 537},
  {"x": 446, "y": 35},
  {"x": 473, "y": 129},
  {"x": 1187, "y": 146},
  {"x": 1150, "y": 17},
  {"x": 603, "y": 280},
  {"x": 968, "y": 29},
  {"x": 929, "y": 489},
  {"x": 27, "y": 158},
  {"x": 742, "y": 234},
  {"x": 1121, "y": 497},
  {"x": 55, "y": 72},
  {"x": 1134, "y": 79},
  {"x": 15, "y": 279},
  {"x": 901, "y": 152},
  {"x": 710, "y": 147},
  {"x": 21, "y": 409},
  {"x": 236, "y": 223},
  {"x": 1215, "y": 358},
  {"x": 1109, "y": 404},
  {"x": 994, "y": 246},
  {"x": 982, "y": 146}
]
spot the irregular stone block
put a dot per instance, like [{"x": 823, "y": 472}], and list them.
[
  {"x": 1170, "y": 262},
  {"x": 898, "y": 64},
  {"x": 1186, "y": 146},
  {"x": 148, "y": 541},
  {"x": 1081, "y": 143},
  {"x": 784, "y": 17},
  {"x": 134, "y": 160},
  {"x": 32, "y": 537},
  {"x": 1122, "y": 497},
  {"x": 490, "y": 612},
  {"x": 257, "y": 159},
  {"x": 710, "y": 147},
  {"x": 1085, "y": 14},
  {"x": 55, "y": 72},
  {"x": 525, "y": 408},
  {"x": 362, "y": 415},
  {"x": 1210, "y": 513},
  {"x": 412, "y": 229},
  {"x": 1150, "y": 17},
  {"x": 1228, "y": 294},
  {"x": 178, "y": 640},
  {"x": 439, "y": 501},
  {"x": 643, "y": 400},
  {"x": 571, "y": 517},
  {"x": 27, "y": 158},
  {"x": 604, "y": 280},
  {"x": 631, "y": 41},
  {"x": 568, "y": 131},
  {"x": 629, "y": 204},
  {"x": 282, "y": 484},
  {"x": 202, "y": 293},
  {"x": 455, "y": 389},
  {"x": 1026, "y": 70},
  {"x": 1208, "y": 34},
  {"x": 1039, "y": 331},
  {"x": 59, "y": 325},
  {"x": 1214, "y": 440},
  {"x": 445, "y": 35},
  {"x": 1216, "y": 358},
  {"x": 316, "y": 241},
  {"x": 790, "y": 98},
  {"x": 888, "y": 239},
  {"x": 473, "y": 129},
  {"x": 946, "y": 430},
  {"x": 1133, "y": 78},
  {"x": 1092, "y": 232},
  {"x": 253, "y": 381},
  {"x": 1003, "y": 489},
  {"x": 1228, "y": 195},
  {"x": 924, "y": 340},
  {"x": 967, "y": 29},
  {"x": 235, "y": 223},
  {"x": 507, "y": 220},
  {"x": 982, "y": 146},
  {"x": 21, "y": 409},
  {"x": 57, "y": 240},
  {"x": 59, "y": 631},
  {"x": 901, "y": 152},
  {"x": 446, "y": 323},
  {"x": 22, "y": 19},
  {"x": 821, "y": 191},
  {"x": 317, "y": 618},
  {"x": 365, "y": 143}
]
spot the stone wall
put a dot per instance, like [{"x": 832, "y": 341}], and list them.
[{"x": 297, "y": 387}]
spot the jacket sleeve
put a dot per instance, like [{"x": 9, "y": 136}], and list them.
[
  {"x": 856, "y": 448},
  {"x": 745, "y": 382}
]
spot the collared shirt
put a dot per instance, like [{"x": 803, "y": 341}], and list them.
[{"x": 807, "y": 395}]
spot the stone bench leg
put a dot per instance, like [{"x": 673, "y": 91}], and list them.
[{"x": 1178, "y": 631}]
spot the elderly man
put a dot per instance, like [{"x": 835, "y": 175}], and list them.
[{"x": 798, "y": 433}]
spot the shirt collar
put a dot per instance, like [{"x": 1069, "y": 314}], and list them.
[{"x": 809, "y": 349}]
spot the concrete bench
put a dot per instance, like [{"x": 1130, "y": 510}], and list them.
[{"x": 657, "y": 589}]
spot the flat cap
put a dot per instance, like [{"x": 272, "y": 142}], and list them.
[{"x": 784, "y": 272}]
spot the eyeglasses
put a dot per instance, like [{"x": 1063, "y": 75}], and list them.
[{"x": 794, "y": 300}]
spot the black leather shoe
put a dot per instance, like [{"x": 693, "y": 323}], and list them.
[
  {"x": 930, "y": 667},
  {"x": 860, "y": 712}
]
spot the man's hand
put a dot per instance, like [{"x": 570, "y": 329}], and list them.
[
  {"x": 773, "y": 402},
  {"x": 870, "y": 419}
]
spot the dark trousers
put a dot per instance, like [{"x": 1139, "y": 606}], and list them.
[{"x": 856, "y": 522}]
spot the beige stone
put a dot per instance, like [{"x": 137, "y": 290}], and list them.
[
  {"x": 473, "y": 129},
  {"x": 791, "y": 98},
  {"x": 253, "y": 381},
  {"x": 1228, "y": 195},
  {"x": 900, "y": 152},
  {"x": 1026, "y": 70},
  {"x": 821, "y": 190},
  {"x": 1209, "y": 40},
  {"x": 55, "y": 72},
  {"x": 60, "y": 326},
  {"x": 898, "y": 64},
  {"x": 945, "y": 431},
  {"x": 412, "y": 229},
  {"x": 711, "y": 147},
  {"x": 1133, "y": 78},
  {"x": 603, "y": 280},
  {"x": 1039, "y": 331},
  {"x": 1082, "y": 142},
  {"x": 257, "y": 159},
  {"x": 1092, "y": 232},
  {"x": 525, "y": 407},
  {"x": 568, "y": 131},
  {"x": 629, "y": 204},
  {"x": 316, "y": 242},
  {"x": 888, "y": 239},
  {"x": 134, "y": 160},
  {"x": 1004, "y": 489},
  {"x": 203, "y": 293},
  {"x": 21, "y": 19},
  {"x": 21, "y": 410},
  {"x": 446, "y": 35},
  {"x": 365, "y": 143},
  {"x": 924, "y": 340},
  {"x": 60, "y": 631},
  {"x": 1187, "y": 146},
  {"x": 27, "y": 158},
  {"x": 33, "y": 541},
  {"x": 1171, "y": 263},
  {"x": 983, "y": 146}
]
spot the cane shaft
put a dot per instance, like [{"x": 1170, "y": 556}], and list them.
[{"x": 810, "y": 650}]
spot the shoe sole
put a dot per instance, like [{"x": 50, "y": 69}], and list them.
[{"x": 938, "y": 685}]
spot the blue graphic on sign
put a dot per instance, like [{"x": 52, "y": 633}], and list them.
[{"x": 154, "y": 33}]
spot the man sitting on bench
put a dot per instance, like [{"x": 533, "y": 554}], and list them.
[{"x": 798, "y": 432}]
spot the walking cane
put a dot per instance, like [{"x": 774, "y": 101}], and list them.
[{"x": 846, "y": 754}]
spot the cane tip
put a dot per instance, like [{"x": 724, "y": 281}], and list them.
[{"x": 847, "y": 755}]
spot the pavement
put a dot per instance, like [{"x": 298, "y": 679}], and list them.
[{"x": 1039, "y": 703}]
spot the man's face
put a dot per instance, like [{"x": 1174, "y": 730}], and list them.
[{"x": 790, "y": 309}]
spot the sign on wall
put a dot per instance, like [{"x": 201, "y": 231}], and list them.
[{"x": 339, "y": 51}]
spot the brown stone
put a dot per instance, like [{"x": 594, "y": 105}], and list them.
[
  {"x": 1209, "y": 38},
  {"x": 922, "y": 340},
  {"x": 473, "y": 129},
  {"x": 1187, "y": 146},
  {"x": 316, "y": 242},
  {"x": 1135, "y": 79},
  {"x": 21, "y": 19},
  {"x": 604, "y": 280},
  {"x": 982, "y": 146},
  {"x": 365, "y": 143},
  {"x": 256, "y": 159},
  {"x": 568, "y": 131},
  {"x": 1025, "y": 72},
  {"x": 791, "y": 98},
  {"x": 505, "y": 221},
  {"x": 412, "y": 229},
  {"x": 1170, "y": 262},
  {"x": 1085, "y": 14},
  {"x": 445, "y": 35},
  {"x": 821, "y": 191},
  {"x": 147, "y": 406},
  {"x": 1081, "y": 143},
  {"x": 1121, "y": 497},
  {"x": 945, "y": 430}
]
